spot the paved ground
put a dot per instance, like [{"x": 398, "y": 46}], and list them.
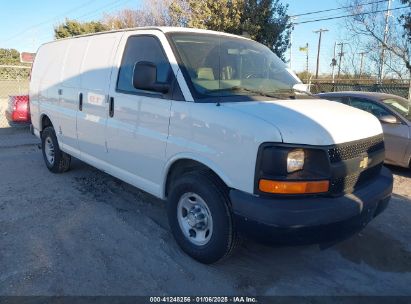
[
  {"x": 16, "y": 136},
  {"x": 86, "y": 233}
]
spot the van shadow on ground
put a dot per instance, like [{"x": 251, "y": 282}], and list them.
[{"x": 373, "y": 246}]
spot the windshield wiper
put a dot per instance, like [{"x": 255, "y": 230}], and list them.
[
  {"x": 292, "y": 90},
  {"x": 242, "y": 89}
]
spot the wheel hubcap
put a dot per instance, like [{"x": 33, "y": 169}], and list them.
[
  {"x": 195, "y": 219},
  {"x": 49, "y": 150}
]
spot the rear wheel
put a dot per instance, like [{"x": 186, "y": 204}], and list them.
[
  {"x": 200, "y": 217},
  {"x": 56, "y": 160}
]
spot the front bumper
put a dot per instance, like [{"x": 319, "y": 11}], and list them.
[{"x": 311, "y": 219}]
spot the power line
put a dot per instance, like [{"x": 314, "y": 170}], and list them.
[
  {"x": 338, "y": 8},
  {"x": 351, "y": 15},
  {"x": 49, "y": 20},
  {"x": 113, "y": 4}
]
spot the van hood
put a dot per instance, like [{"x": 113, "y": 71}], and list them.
[{"x": 313, "y": 121}]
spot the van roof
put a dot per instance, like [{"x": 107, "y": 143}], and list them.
[{"x": 164, "y": 29}]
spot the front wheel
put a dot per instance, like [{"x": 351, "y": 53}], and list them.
[
  {"x": 56, "y": 160},
  {"x": 200, "y": 217}
]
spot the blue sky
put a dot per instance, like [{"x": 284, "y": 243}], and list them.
[
  {"x": 304, "y": 33},
  {"x": 25, "y": 25}
]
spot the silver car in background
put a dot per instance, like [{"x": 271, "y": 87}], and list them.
[{"x": 395, "y": 116}]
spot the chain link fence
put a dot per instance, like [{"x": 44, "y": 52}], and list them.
[
  {"x": 14, "y": 80},
  {"x": 395, "y": 86}
]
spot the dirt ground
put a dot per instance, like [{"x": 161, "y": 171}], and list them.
[{"x": 86, "y": 233}]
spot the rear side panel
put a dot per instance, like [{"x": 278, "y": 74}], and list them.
[
  {"x": 69, "y": 98},
  {"x": 45, "y": 81}
]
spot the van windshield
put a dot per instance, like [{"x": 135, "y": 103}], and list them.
[{"x": 223, "y": 66}]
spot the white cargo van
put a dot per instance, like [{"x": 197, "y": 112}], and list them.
[{"x": 216, "y": 125}]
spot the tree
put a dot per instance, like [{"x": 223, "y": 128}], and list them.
[
  {"x": 218, "y": 15},
  {"x": 405, "y": 19},
  {"x": 72, "y": 28},
  {"x": 9, "y": 57},
  {"x": 265, "y": 21},
  {"x": 390, "y": 51},
  {"x": 151, "y": 13}
]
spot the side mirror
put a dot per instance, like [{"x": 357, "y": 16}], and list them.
[
  {"x": 145, "y": 78},
  {"x": 389, "y": 119}
]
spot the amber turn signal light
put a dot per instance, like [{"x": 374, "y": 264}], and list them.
[{"x": 287, "y": 187}]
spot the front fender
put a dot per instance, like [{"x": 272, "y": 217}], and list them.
[{"x": 200, "y": 159}]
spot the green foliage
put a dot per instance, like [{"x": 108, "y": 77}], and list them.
[
  {"x": 9, "y": 57},
  {"x": 72, "y": 28},
  {"x": 265, "y": 21},
  {"x": 218, "y": 15}
]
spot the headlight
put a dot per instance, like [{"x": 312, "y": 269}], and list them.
[
  {"x": 291, "y": 169},
  {"x": 295, "y": 160}
]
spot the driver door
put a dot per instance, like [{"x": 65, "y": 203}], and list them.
[{"x": 137, "y": 126}]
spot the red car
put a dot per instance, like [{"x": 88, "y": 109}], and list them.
[{"x": 18, "y": 109}]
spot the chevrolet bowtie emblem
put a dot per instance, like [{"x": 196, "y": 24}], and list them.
[{"x": 364, "y": 163}]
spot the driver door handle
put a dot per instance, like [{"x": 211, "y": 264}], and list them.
[
  {"x": 111, "y": 107},
  {"x": 80, "y": 102}
]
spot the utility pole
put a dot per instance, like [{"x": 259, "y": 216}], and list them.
[
  {"x": 306, "y": 62},
  {"x": 382, "y": 59},
  {"x": 290, "y": 50},
  {"x": 409, "y": 91},
  {"x": 334, "y": 63},
  {"x": 320, "y": 31},
  {"x": 340, "y": 54},
  {"x": 291, "y": 40},
  {"x": 361, "y": 62}
]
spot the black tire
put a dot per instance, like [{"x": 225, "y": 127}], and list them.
[
  {"x": 62, "y": 160},
  {"x": 224, "y": 238}
]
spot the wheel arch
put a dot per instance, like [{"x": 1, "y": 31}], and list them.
[
  {"x": 45, "y": 121},
  {"x": 183, "y": 164}
]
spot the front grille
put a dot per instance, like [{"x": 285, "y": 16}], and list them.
[
  {"x": 357, "y": 178},
  {"x": 351, "y": 182},
  {"x": 352, "y": 150}
]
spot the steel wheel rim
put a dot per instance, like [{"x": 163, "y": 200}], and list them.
[
  {"x": 194, "y": 218},
  {"x": 49, "y": 150}
]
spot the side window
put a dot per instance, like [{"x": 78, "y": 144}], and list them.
[
  {"x": 142, "y": 48},
  {"x": 369, "y": 106}
]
